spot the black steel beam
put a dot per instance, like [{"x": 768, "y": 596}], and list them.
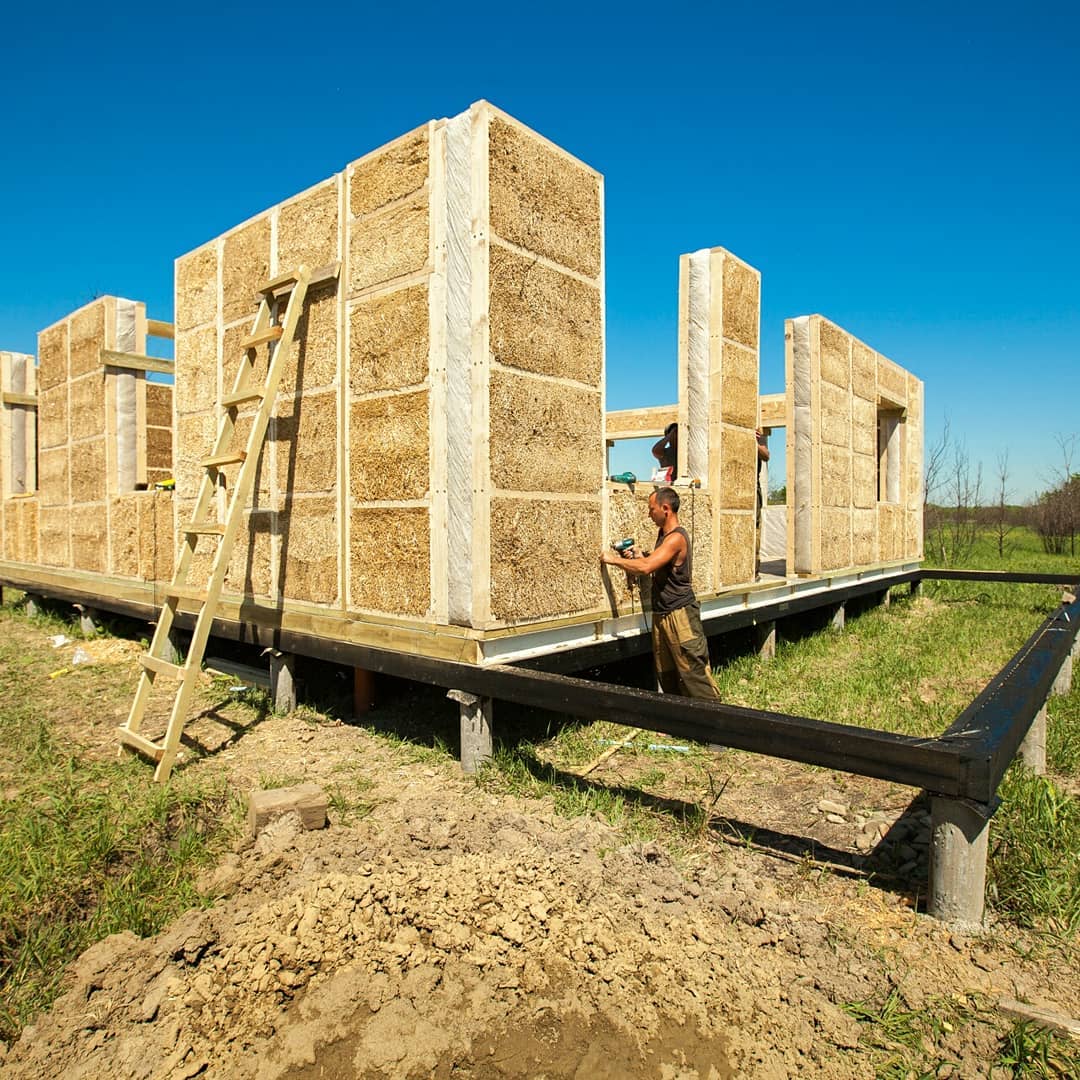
[{"x": 1020, "y": 577}]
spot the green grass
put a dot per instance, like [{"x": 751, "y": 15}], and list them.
[{"x": 1030, "y": 1051}]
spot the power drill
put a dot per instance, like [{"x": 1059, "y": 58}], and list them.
[
  {"x": 623, "y": 478},
  {"x": 625, "y": 548}
]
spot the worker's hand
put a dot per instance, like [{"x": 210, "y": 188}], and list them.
[
  {"x": 636, "y": 552},
  {"x": 609, "y": 558}
]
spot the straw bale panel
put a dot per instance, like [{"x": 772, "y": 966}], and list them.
[
  {"x": 628, "y": 518},
  {"x": 890, "y": 532},
  {"x": 544, "y": 558},
  {"x": 892, "y": 381},
  {"x": 245, "y": 265},
  {"x": 391, "y": 173},
  {"x": 55, "y": 523},
  {"x": 864, "y": 481},
  {"x": 11, "y": 529},
  {"x": 388, "y": 340},
  {"x": 205, "y": 546},
  {"x": 836, "y": 476},
  {"x": 88, "y": 471},
  {"x": 738, "y": 473},
  {"x": 53, "y": 417},
  {"x": 835, "y": 415},
  {"x": 543, "y": 321},
  {"x": 306, "y": 441},
  {"x": 159, "y": 399},
  {"x": 388, "y": 457},
  {"x": 260, "y": 487},
  {"x": 863, "y": 371},
  {"x": 913, "y": 462},
  {"x": 390, "y": 560},
  {"x": 307, "y": 231},
  {"x": 310, "y": 543},
  {"x": 388, "y": 245},
  {"x": 88, "y": 539},
  {"x": 864, "y": 537},
  {"x": 249, "y": 565},
  {"x": 836, "y": 531},
  {"x": 157, "y": 541},
  {"x": 542, "y": 200},
  {"x": 196, "y": 370},
  {"x": 87, "y": 338},
  {"x": 696, "y": 517},
  {"x": 913, "y": 534},
  {"x": 124, "y": 534},
  {"x": 195, "y": 439},
  {"x": 741, "y": 296},
  {"x": 545, "y": 436},
  {"x": 314, "y": 358},
  {"x": 232, "y": 356},
  {"x": 27, "y": 519},
  {"x": 159, "y": 449},
  {"x": 196, "y": 288},
  {"x": 736, "y": 548},
  {"x": 739, "y": 386},
  {"x": 52, "y": 356},
  {"x": 864, "y": 419},
  {"x": 835, "y": 355},
  {"x": 53, "y": 477},
  {"x": 88, "y": 406}
]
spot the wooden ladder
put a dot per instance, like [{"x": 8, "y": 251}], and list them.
[{"x": 246, "y": 389}]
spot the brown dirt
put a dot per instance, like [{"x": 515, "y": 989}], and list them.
[{"x": 439, "y": 928}]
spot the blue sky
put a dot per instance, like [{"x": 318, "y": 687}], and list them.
[{"x": 910, "y": 174}]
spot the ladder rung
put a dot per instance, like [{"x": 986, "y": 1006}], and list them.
[
  {"x": 280, "y": 281},
  {"x": 186, "y": 592},
  {"x": 204, "y": 528},
  {"x": 285, "y": 282},
  {"x": 140, "y": 742},
  {"x": 271, "y": 333},
  {"x": 233, "y": 458},
  {"x": 256, "y": 393},
  {"x": 161, "y": 667}
]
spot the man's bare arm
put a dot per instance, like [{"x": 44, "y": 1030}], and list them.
[{"x": 672, "y": 546}]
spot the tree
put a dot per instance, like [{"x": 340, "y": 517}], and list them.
[
  {"x": 1002, "y": 524},
  {"x": 951, "y": 500},
  {"x": 1056, "y": 514}
]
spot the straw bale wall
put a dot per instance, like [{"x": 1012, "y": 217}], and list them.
[{"x": 855, "y": 434}]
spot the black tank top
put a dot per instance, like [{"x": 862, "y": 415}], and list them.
[{"x": 671, "y": 585}]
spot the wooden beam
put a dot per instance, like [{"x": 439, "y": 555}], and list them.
[
  {"x": 640, "y": 423},
  {"x": 773, "y": 411},
  {"x": 159, "y": 328},
  {"x": 27, "y": 400},
  {"x": 136, "y": 362}
]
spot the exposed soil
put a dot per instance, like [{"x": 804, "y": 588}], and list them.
[{"x": 442, "y": 929}]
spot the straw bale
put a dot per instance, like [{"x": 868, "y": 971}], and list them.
[
  {"x": 314, "y": 359},
  {"x": 157, "y": 540},
  {"x": 306, "y": 441},
  {"x": 205, "y": 546},
  {"x": 742, "y": 301},
  {"x": 542, "y": 200},
  {"x": 11, "y": 529},
  {"x": 544, "y": 558},
  {"x": 53, "y": 417},
  {"x": 28, "y": 530},
  {"x": 88, "y": 471},
  {"x": 55, "y": 521},
  {"x": 864, "y": 480},
  {"x": 53, "y": 477},
  {"x": 736, "y": 548},
  {"x": 835, "y": 476},
  {"x": 88, "y": 406},
  {"x": 544, "y": 321},
  {"x": 545, "y": 436},
  {"x": 124, "y": 535},
  {"x": 232, "y": 356},
  {"x": 835, "y": 415},
  {"x": 249, "y": 565},
  {"x": 835, "y": 355},
  {"x": 52, "y": 356},
  {"x": 738, "y": 473},
  {"x": 159, "y": 449},
  {"x": 397, "y": 170},
  {"x": 87, "y": 338},
  {"x": 628, "y": 518},
  {"x": 260, "y": 487},
  {"x": 835, "y": 538},
  {"x": 696, "y": 516},
  {"x": 196, "y": 288},
  {"x": 387, "y": 245},
  {"x": 196, "y": 370},
  {"x": 308, "y": 230},
  {"x": 195, "y": 439},
  {"x": 890, "y": 532},
  {"x": 310, "y": 544},
  {"x": 739, "y": 386},
  {"x": 863, "y": 371},
  {"x": 390, "y": 561},
  {"x": 892, "y": 381},
  {"x": 88, "y": 539},
  {"x": 389, "y": 447},
  {"x": 864, "y": 537},
  {"x": 245, "y": 265},
  {"x": 159, "y": 398},
  {"x": 864, "y": 425},
  {"x": 913, "y": 534},
  {"x": 388, "y": 340}
]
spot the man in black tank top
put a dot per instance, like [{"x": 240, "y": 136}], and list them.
[{"x": 680, "y": 652}]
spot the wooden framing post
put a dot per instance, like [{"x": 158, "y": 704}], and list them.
[
  {"x": 1033, "y": 748},
  {"x": 282, "y": 681},
  {"x": 960, "y": 831},
  {"x": 476, "y": 743},
  {"x": 765, "y": 640}
]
